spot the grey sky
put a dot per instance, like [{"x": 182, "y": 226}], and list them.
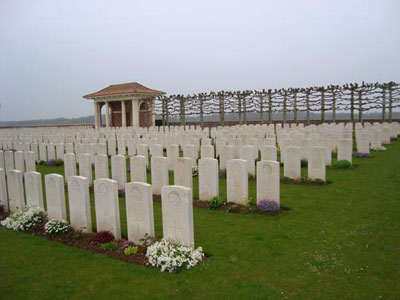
[{"x": 53, "y": 52}]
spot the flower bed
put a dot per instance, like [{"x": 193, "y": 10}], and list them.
[{"x": 153, "y": 253}]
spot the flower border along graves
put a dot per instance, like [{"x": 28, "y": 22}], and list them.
[{"x": 152, "y": 252}]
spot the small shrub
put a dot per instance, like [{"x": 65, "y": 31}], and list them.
[
  {"x": 319, "y": 181},
  {"x": 215, "y": 202},
  {"x": 58, "y": 162},
  {"x": 49, "y": 162},
  {"x": 251, "y": 177},
  {"x": 341, "y": 164},
  {"x": 56, "y": 227},
  {"x": 131, "y": 250},
  {"x": 41, "y": 162},
  {"x": 24, "y": 220},
  {"x": 252, "y": 201},
  {"x": 148, "y": 239},
  {"x": 359, "y": 154},
  {"x": 304, "y": 163},
  {"x": 121, "y": 192},
  {"x": 222, "y": 174},
  {"x": 285, "y": 178},
  {"x": 195, "y": 172},
  {"x": 126, "y": 244},
  {"x": 170, "y": 257},
  {"x": 234, "y": 208},
  {"x": 268, "y": 205},
  {"x": 102, "y": 237},
  {"x": 109, "y": 246},
  {"x": 303, "y": 179}
]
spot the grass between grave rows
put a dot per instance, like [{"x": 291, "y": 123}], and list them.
[{"x": 337, "y": 241}]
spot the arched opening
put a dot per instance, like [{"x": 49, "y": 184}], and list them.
[{"x": 145, "y": 117}]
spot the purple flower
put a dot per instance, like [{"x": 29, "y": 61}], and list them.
[
  {"x": 49, "y": 162},
  {"x": 127, "y": 244},
  {"x": 268, "y": 205}
]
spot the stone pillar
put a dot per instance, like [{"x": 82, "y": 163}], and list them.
[
  {"x": 107, "y": 115},
  {"x": 123, "y": 111},
  {"x": 99, "y": 114},
  {"x": 135, "y": 113},
  {"x": 96, "y": 113}
]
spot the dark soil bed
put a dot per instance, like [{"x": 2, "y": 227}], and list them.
[
  {"x": 309, "y": 182},
  {"x": 233, "y": 207},
  {"x": 81, "y": 240}
]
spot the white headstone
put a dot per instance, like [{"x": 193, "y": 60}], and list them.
[
  {"x": 30, "y": 161},
  {"x": 207, "y": 151},
  {"x": 247, "y": 154},
  {"x": 345, "y": 150},
  {"x": 3, "y": 190},
  {"x": 143, "y": 150},
  {"x": 317, "y": 163},
  {"x": 292, "y": 164},
  {"x": 107, "y": 206},
  {"x": 34, "y": 189},
  {"x": 268, "y": 180},
  {"x": 269, "y": 152},
  {"x": 20, "y": 161},
  {"x": 177, "y": 215},
  {"x": 139, "y": 211},
  {"x": 237, "y": 181},
  {"x": 85, "y": 166},
  {"x": 9, "y": 160},
  {"x": 101, "y": 166},
  {"x": 208, "y": 179},
  {"x": 159, "y": 173},
  {"x": 118, "y": 170},
  {"x": 172, "y": 155},
  {"x": 183, "y": 172},
  {"x": 55, "y": 197},
  {"x": 51, "y": 151},
  {"x": 79, "y": 203},
  {"x": 138, "y": 169},
  {"x": 15, "y": 187}
]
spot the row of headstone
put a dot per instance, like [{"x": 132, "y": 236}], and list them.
[{"x": 177, "y": 207}]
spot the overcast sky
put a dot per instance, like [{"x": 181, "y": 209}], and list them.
[{"x": 53, "y": 52}]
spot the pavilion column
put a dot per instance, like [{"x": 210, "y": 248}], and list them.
[
  {"x": 123, "y": 111},
  {"x": 96, "y": 123},
  {"x": 135, "y": 113},
  {"x": 107, "y": 115},
  {"x": 99, "y": 114}
]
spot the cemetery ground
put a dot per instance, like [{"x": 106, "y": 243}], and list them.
[{"x": 340, "y": 240}]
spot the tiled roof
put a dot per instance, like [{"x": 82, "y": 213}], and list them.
[{"x": 124, "y": 88}]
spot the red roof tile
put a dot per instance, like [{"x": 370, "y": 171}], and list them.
[{"x": 124, "y": 88}]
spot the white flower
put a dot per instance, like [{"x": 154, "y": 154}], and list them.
[
  {"x": 56, "y": 226},
  {"x": 171, "y": 257},
  {"x": 24, "y": 220}
]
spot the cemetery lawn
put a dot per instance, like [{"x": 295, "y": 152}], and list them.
[{"x": 338, "y": 241}]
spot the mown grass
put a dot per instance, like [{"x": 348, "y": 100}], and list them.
[{"x": 337, "y": 241}]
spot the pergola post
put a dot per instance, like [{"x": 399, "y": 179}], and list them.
[
  {"x": 334, "y": 106},
  {"x": 383, "y": 104},
  {"x": 322, "y": 105},
  {"x": 269, "y": 106},
  {"x": 360, "y": 108}
]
